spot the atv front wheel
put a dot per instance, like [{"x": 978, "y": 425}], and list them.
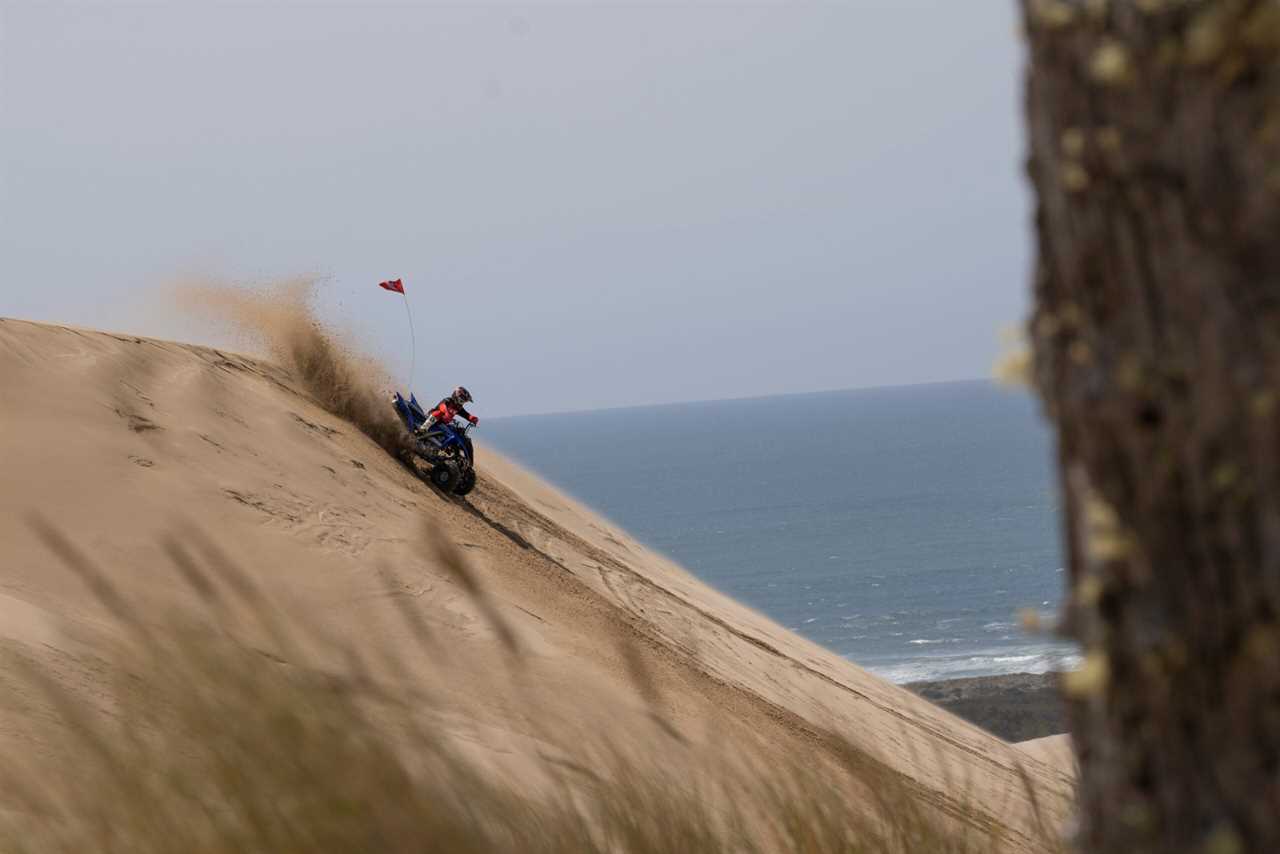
[
  {"x": 444, "y": 477},
  {"x": 466, "y": 482}
]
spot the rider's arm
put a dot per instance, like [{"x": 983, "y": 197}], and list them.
[{"x": 462, "y": 410}]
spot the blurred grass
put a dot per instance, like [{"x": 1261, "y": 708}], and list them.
[{"x": 214, "y": 746}]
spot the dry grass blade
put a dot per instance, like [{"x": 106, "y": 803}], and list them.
[
  {"x": 200, "y": 583},
  {"x": 81, "y": 565},
  {"x": 248, "y": 594},
  {"x": 646, "y": 685},
  {"x": 412, "y": 618},
  {"x": 454, "y": 563}
]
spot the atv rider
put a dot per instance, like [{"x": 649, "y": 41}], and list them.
[{"x": 446, "y": 410}]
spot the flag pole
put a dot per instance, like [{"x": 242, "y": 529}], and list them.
[{"x": 413, "y": 359}]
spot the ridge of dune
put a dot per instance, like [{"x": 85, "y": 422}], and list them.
[
  {"x": 1055, "y": 751},
  {"x": 119, "y": 439}
]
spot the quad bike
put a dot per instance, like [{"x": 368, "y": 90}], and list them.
[{"x": 446, "y": 448}]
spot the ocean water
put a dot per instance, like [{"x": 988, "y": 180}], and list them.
[{"x": 903, "y": 528}]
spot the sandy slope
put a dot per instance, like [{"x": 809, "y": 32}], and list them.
[
  {"x": 120, "y": 441},
  {"x": 1053, "y": 750}
]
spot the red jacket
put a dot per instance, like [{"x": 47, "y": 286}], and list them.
[{"x": 446, "y": 410}]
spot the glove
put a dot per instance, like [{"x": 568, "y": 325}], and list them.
[{"x": 474, "y": 420}]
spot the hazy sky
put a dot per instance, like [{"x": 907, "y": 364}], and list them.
[{"x": 590, "y": 204}]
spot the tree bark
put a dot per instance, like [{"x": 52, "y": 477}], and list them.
[{"x": 1155, "y": 155}]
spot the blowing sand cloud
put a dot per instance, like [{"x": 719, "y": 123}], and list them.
[{"x": 279, "y": 320}]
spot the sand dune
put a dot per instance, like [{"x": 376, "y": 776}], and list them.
[
  {"x": 120, "y": 441},
  {"x": 1053, "y": 750}
]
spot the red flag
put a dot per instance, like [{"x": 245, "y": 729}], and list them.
[{"x": 393, "y": 285}]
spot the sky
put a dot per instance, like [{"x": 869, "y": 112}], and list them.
[{"x": 590, "y": 205}]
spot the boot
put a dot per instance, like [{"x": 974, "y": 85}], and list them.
[{"x": 425, "y": 427}]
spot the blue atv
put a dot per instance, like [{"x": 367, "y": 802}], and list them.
[{"x": 446, "y": 448}]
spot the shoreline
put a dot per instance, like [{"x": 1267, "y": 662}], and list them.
[{"x": 1015, "y": 707}]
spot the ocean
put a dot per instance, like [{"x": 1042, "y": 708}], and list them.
[{"x": 903, "y": 528}]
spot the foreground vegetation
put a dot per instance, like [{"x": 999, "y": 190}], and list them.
[{"x": 214, "y": 744}]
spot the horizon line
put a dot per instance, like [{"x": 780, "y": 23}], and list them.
[{"x": 747, "y": 397}]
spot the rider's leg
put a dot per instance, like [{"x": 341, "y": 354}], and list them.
[{"x": 425, "y": 427}]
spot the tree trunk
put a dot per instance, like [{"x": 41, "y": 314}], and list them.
[{"x": 1155, "y": 154}]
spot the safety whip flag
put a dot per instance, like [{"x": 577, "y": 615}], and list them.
[{"x": 397, "y": 287}]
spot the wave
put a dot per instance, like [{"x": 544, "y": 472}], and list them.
[{"x": 976, "y": 663}]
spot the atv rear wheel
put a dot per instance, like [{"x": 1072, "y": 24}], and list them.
[
  {"x": 444, "y": 477},
  {"x": 466, "y": 482}
]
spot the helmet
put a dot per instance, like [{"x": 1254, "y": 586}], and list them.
[{"x": 461, "y": 395}]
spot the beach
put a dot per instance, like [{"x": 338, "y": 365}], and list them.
[{"x": 1016, "y": 707}]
